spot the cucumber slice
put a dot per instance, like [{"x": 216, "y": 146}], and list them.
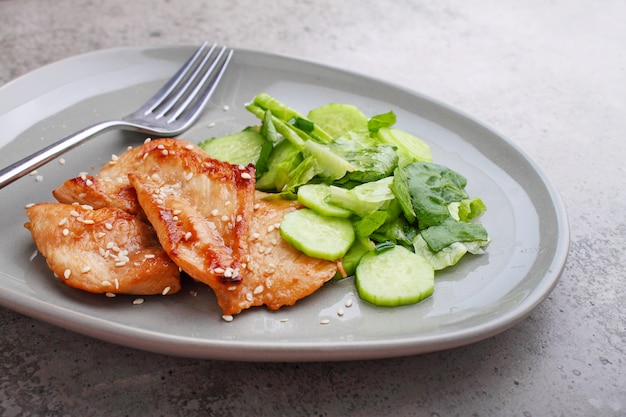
[
  {"x": 338, "y": 119},
  {"x": 314, "y": 196},
  {"x": 241, "y": 148},
  {"x": 394, "y": 277},
  {"x": 317, "y": 235}
]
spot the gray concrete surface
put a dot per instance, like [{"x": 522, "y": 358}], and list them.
[{"x": 550, "y": 75}]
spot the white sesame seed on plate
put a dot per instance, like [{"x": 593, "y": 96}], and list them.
[
  {"x": 138, "y": 301},
  {"x": 110, "y": 294},
  {"x": 227, "y": 317},
  {"x": 325, "y": 321}
]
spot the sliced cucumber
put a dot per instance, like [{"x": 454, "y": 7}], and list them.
[
  {"x": 394, "y": 277},
  {"x": 316, "y": 235},
  {"x": 338, "y": 119},
  {"x": 314, "y": 196},
  {"x": 240, "y": 148}
]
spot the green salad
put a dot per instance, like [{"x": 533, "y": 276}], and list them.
[{"x": 373, "y": 197}]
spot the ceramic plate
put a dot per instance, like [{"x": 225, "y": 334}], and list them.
[{"x": 480, "y": 297}]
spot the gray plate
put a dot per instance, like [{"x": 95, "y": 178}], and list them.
[{"x": 480, "y": 297}]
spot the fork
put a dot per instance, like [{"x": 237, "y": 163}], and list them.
[{"x": 171, "y": 111}]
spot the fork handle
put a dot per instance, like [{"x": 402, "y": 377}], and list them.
[{"x": 45, "y": 155}]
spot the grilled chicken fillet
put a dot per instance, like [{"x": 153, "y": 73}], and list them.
[{"x": 102, "y": 251}]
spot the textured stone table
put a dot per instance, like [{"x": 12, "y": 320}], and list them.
[{"x": 551, "y": 76}]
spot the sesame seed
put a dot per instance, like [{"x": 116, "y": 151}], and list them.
[
  {"x": 255, "y": 236},
  {"x": 189, "y": 147},
  {"x": 227, "y": 318},
  {"x": 62, "y": 161},
  {"x": 67, "y": 273},
  {"x": 325, "y": 321},
  {"x": 147, "y": 140},
  {"x": 66, "y": 232},
  {"x": 39, "y": 178},
  {"x": 340, "y": 312},
  {"x": 270, "y": 228},
  {"x": 348, "y": 302},
  {"x": 155, "y": 177},
  {"x": 87, "y": 207},
  {"x": 258, "y": 290},
  {"x": 224, "y": 218},
  {"x": 29, "y": 205},
  {"x": 63, "y": 221},
  {"x": 88, "y": 221},
  {"x": 284, "y": 320},
  {"x": 246, "y": 176},
  {"x": 232, "y": 288},
  {"x": 241, "y": 167},
  {"x": 249, "y": 297},
  {"x": 114, "y": 157},
  {"x": 160, "y": 146},
  {"x": 110, "y": 295},
  {"x": 188, "y": 235},
  {"x": 219, "y": 270},
  {"x": 33, "y": 173},
  {"x": 239, "y": 218},
  {"x": 138, "y": 301},
  {"x": 177, "y": 212},
  {"x": 89, "y": 183},
  {"x": 212, "y": 124},
  {"x": 189, "y": 176},
  {"x": 105, "y": 283},
  {"x": 165, "y": 152},
  {"x": 215, "y": 212},
  {"x": 226, "y": 107},
  {"x": 85, "y": 269},
  {"x": 256, "y": 206},
  {"x": 117, "y": 284},
  {"x": 74, "y": 213},
  {"x": 166, "y": 290},
  {"x": 149, "y": 255},
  {"x": 100, "y": 234}
]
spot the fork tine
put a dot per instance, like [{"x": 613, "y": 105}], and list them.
[
  {"x": 180, "y": 92},
  {"x": 173, "y": 83},
  {"x": 201, "y": 93}
]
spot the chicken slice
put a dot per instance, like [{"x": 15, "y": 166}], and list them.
[
  {"x": 201, "y": 217},
  {"x": 102, "y": 251},
  {"x": 276, "y": 273}
]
